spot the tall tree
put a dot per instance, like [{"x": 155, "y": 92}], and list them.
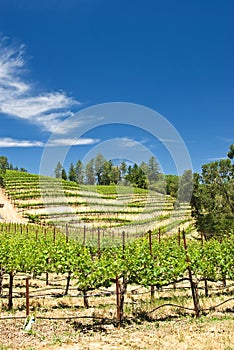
[
  {"x": 64, "y": 174},
  {"x": 145, "y": 168},
  {"x": 154, "y": 170},
  {"x": 79, "y": 172},
  {"x": 231, "y": 152},
  {"x": 185, "y": 186},
  {"x": 213, "y": 198},
  {"x": 123, "y": 169},
  {"x": 58, "y": 170},
  {"x": 89, "y": 173},
  {"x": 172, "y": 184},
  {"x": 136, "y": 176},
  {"x": 98, "y": 166},
  {"x": 72, "y": 173},
  {"x": 105, "y": 173},
  {"x": 115, "y": 175},
  {"x": 4, "y": 165}
]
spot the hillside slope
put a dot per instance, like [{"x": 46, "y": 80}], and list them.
[
  {"x": 8, "y": 212},
  {"x": 58, "y": 202}
]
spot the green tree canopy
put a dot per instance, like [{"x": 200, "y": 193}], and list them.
[
  {"x": 72, "y": 173},
  {"x": 58, "y": 170},
  {"x": 213, "y": 198}
]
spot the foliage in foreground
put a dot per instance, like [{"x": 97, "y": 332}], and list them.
[{"x": 32, "y": 250}]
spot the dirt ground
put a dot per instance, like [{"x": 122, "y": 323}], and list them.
[
  {"x": 9, "y": 213},
  {"x": 214, "y": 333},
  {"x": 167, "y": 328}
]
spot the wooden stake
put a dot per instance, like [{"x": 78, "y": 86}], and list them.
[
  {"x": 54, "y": 235},
  {"x": 118, "y": 301},
  {"x": 10, "y": 297},
  {"x": 123, "y": 241},
  {"x": 67, "y": 234},
  {"x": 205, "y": 280},
  {"x": 159, "y": 235},
  {"x": 99, "y": 242},
  {"x": 152, "y": 291},
  {"x": 27, "y": 296},
  {"x": 192, "y": 283}
]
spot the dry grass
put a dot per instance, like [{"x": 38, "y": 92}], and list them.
[
  {"x": 167, "y": 328},
  {"x": 214, "y": 333}
]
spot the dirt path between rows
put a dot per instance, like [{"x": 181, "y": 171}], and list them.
[{"x": 9, "y": 213}]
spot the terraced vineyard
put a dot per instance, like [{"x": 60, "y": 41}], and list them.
[
  {"x": 64, "y": 203},
  {"x": 69, "y": 285}
]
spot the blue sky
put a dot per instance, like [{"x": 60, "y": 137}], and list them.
[{"x": 59, "y": 57}]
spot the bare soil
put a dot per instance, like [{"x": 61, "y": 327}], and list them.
[
  {"x": 167, "y": 328},
  {"x": 180, "y": 334},
  {"x": 8, "y": 213}
]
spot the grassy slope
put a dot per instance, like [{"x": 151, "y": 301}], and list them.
[{"x": 52, "y": 200}]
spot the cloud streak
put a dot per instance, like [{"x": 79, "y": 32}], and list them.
[
  {"x": 19, "y": 100},
  {"x": 72, "y": 142},
  {"x": 8, "y": 142}
]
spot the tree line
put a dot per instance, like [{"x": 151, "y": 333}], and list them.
[
  {"x": 100, "y": 171},
  {"x": 147, "y": 175},
  {"x": 5, "y": 165},
  {"x": 210, "y": 193}
]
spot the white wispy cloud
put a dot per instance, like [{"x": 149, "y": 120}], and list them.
[
  {"x": 72, "y": 142},
  {"x": 7, "y": 142},
  {"x": 18, "y": 98}
]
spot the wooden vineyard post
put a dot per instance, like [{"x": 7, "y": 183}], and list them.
[
  {"x": 27, "y": 296},
  {"x": 47, "y": 274},
  {"x": 86, "y": 299},
  {"x": 69, "y": 272},
  {"x": 47, "y": 278},
  {"x": 159, "y": 235},
  {"x": 68, "y": 283},
  {"x": 195, "y": 296},
  {"x": 205, "y": 280},
  {"x": 1, "y": 280},
  {"x": 99, "y": 242},
  {"x": 151, "y": 254},
  {"x": 118, "y": 301},
  {"x": 179, "y": 242},
  {"x": 54, "y": 234},
  {"x": 123, "y": 285},
  {"x": 123, "y": 242},
  {"x": 29, "y": 319},
  {"x": 67, "y": 234},
  {"x": 10, "y": 297}
]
